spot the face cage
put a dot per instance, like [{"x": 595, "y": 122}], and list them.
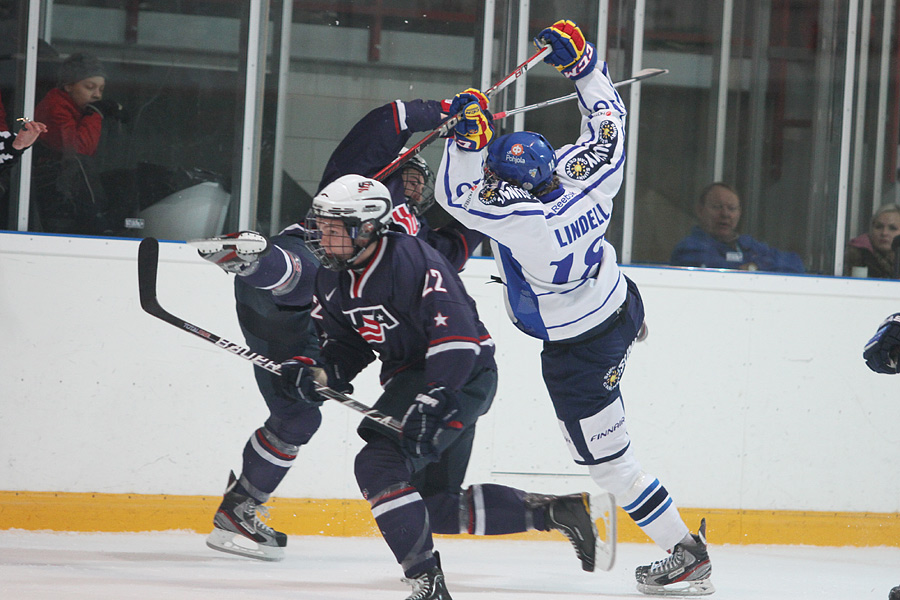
[
  {"x": 491, "y": 177},
  {"x": 312, "y": 237},
  {"x": 418, "y": 189}
]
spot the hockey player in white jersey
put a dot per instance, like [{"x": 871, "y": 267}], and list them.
[{"x": 547, "y": 213}]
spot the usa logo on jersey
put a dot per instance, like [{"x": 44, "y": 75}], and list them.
[
  {"x": 403, "y": 217},
  {"x": 372, "y": 322}
]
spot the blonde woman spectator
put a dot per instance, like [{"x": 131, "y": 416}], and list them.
[{"x": 870, "y": 254}]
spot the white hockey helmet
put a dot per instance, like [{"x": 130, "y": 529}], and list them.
[{"x": 362, "y": 204}]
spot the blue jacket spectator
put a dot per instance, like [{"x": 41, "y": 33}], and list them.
[{"x": 716, "y": 244}]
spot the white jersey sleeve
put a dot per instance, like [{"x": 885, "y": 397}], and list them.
[{"x": 560, "y": 272}]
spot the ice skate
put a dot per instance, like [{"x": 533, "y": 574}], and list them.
[
  {"x": 684, "y": 573},
  {"x": 429, "y": 585},
  {"x": 237, "y": 528},
  {"x": 572, "y": 516}
]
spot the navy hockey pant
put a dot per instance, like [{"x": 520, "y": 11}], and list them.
[
  {"x": 278, "y": 333},
  {"x": 582, "y": 376},
  {"x": 411, "y": 497}
]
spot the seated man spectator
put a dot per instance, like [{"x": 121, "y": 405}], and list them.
[
  {"x": 870, "y": 254},
  {"x": 716, "y": 244}
]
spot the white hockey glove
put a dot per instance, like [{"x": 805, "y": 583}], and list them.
[{"x": 234, "y": 252}]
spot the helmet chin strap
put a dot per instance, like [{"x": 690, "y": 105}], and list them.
[{"x": 360, "y": 260}]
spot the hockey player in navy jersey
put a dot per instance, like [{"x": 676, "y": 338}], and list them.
[
  {"x": 273, "y": 292},
  {"x": 882, "y": 355},
  {"x": 546, "y": 213},
  {"x": 376, "y": 140},
  {"x": 389, "y": 294}
]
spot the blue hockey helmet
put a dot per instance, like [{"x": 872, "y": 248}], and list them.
[{"x": 523, "y": 158}]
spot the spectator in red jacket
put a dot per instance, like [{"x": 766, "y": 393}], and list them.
[
  {"x": 74, "y": 122},
  {"x": 66, "y": 185}
]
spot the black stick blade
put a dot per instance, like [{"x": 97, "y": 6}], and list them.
[{"x": 148, "y": 263}]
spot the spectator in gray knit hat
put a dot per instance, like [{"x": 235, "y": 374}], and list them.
[
  {"x": 79, "y": 67},
  {"x": 67, "y": 188},
  {"x": 73, "y": 122}
]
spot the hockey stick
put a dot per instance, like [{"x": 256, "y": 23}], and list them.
[
  {"x": 640, "y": 75},
  {"x": 451, "y": 121},
  {"x": 148, "y": 266}
]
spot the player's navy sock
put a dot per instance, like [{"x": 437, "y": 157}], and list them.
[
  {"x": 267, "y": 460},
  {"x": 485, "y": 509},
  {"x": 383, "y": 477}
]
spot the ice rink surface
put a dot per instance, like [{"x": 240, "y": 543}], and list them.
[{"x": 179, "y": 566}]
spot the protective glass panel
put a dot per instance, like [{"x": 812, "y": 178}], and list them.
[
  {"x": 143, "y": 102},
  {"x": 873, "y": 213},
  {"x": 346, "y": 59},
  {"x": 12, "y": 22},
  {"x": 775, "y": 134},
  {"x": 558, "y": 123}
]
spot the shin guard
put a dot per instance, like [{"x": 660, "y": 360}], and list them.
[
  {"x": 267, "y": 459},
  {"x": 383, "y": 478},
  {"x": 649, "y": 505}
]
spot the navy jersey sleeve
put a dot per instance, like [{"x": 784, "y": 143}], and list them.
[
  {"x": 379, "y": 137},
  {"x": 454, "y": 241},
  {"x": 288, "y": 270}
]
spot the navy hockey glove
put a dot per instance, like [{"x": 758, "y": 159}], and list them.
[
  {"x": 430, "y": 415},
  {"x": 883, "y": 350},
  {"x": 475, "y": 128},
  {"x": 234, "y": 252},
  {"x": 570, "y": 53},
  {"x": 299, "y": 376}
]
